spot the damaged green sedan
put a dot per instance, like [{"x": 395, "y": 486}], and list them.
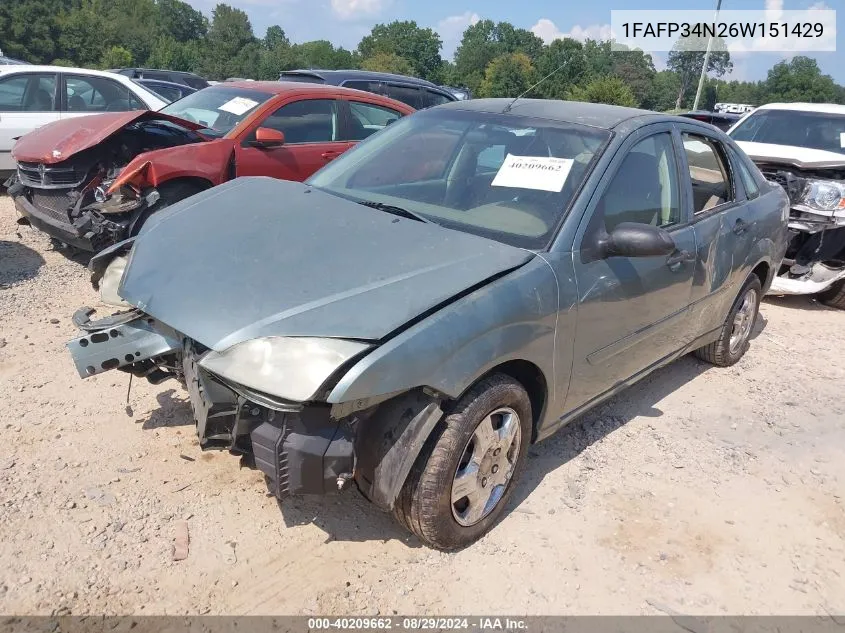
[{"x": 457, "y": 287}]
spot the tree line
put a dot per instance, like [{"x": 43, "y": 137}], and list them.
[{"x": 494, "y": 59}]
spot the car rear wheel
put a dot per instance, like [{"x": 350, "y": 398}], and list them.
[
  {"x": 464, "y": 476},
  {"x": 735, "y": 334},
  {"x": 834, "y": 296}
]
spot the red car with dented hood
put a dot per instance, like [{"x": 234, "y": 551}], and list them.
[{"x": 92, "y": 181}]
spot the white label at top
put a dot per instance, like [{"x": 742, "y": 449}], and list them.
[
  {"x": 238, "y": 105},
  {"x": 544, "y": 173}
]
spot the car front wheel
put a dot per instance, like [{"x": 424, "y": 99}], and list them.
[{"x": 464, "y": 476}]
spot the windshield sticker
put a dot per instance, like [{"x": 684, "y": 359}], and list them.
[
  {"x": 543, "y": 173},
  {"x": 238, "y": 105},
  {"x": 842, "y": 139}
]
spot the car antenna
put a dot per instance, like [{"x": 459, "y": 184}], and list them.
[{"x": 510, "y": 105}]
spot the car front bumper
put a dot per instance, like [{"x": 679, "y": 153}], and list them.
[{"x": 300, "y": 447}]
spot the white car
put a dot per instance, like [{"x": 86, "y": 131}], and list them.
[
  {"x": 31, "y": 96},
  {"x": 801, "y": 146}
]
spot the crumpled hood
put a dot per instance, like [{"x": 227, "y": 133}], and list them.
[
  {"x": 58, "y": 141},
  {"x": 802, "y": 157},
  {"x": 262, "y": 257}
]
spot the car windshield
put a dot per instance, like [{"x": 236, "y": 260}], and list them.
[
  {"x": 813, "y": 130},
  {"x": 219, "y": 109},
  {"x": 504, "y": 177}
]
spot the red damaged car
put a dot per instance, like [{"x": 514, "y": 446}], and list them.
[{"x": 92, "y": 181}]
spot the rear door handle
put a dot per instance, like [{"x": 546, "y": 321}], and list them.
[
  {"x": 740, "y": 227},
  {"x": 331, "y": 154},
  {"x": 678, "y": 258}
]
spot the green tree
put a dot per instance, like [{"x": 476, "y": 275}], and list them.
[
  {"x": 664, "y": 91},
  {"x": 419, "y": 46},
  {"x": 29, "y": 29},
  {"x": 687, "y": 59},
  {"x": 636, "y": 69},
  {"x": 387, "y": 63},
  {"x": 800, "y": 79},
  {"x": 566, "y": 56},
  {"x": 275, "y": 37},
  {"x": 180, "y": 21},
  {"x": 229, "y": 33},
  {"x": 486, "y": 40},
  {"x": 116, "y": 57},
  {"x": 82, "y": 36},
  {"x": 610, "y": 89},
  {"x": 509, "y": 75},
  {"x": 323, "y": 54}
]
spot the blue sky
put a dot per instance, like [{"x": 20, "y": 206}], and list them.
[{"x": 344, "y": 22}]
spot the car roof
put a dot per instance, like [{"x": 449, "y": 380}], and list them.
[
  {"x": 280, "y": 87},
  {"x": 594, "y": 114},
  {"x": 34, "y": 68},
  {"x": 159, "y": 70},
  {"x": 827, "y": 108},
  {"x": 361, "y": 74}
]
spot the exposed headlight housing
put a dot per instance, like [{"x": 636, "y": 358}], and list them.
[
  {"x": 110, "y": 282},
  {"x": 823, "y": 195},
  {"x": 292, "y": 368}
]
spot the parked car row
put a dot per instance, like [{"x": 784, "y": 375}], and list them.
[{"x": 446, "y": 286}]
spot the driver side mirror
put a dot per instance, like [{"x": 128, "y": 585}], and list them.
[
  {"x": 632, "y": 239},
  {"x": 266, "y": 138}
]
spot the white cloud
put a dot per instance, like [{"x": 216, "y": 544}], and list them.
[
  {"x": 451, "y": 30},
  {"x": 352, "y": 9},
  {"x": 548, "y": 31}
]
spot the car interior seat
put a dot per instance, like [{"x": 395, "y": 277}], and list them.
[{"x": 75, "y": 103}]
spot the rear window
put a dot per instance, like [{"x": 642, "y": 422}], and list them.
[
  {"x": 813, "y": 130},
  {"x": 306, "y": 79}
]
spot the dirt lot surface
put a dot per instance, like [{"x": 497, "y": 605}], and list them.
[{"x": 700, "y": 490}]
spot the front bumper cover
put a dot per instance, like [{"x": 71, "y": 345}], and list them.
[{"x": 301, "y": 450}]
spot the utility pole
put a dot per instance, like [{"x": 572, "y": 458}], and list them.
[{"x": 706, "y": 61}]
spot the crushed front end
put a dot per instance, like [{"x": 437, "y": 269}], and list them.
[
  {"x": 86, "y": 200},
  {"x": 815, "y": 257},
  {"x": 302, "y": 447}
]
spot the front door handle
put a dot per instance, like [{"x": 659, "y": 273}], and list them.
[
  {"x": 678, "y": 258},
  {"x": 330, "y": 155},
  {"x": 740, "y": 227}
]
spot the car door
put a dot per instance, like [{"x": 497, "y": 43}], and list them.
[
  {"x": 91, "y": 94},
  {"x": 632, "y": 311},
  {"x": 27, "y": 101},
  {"x": 721, "y": 223},
  {"x": 312, "y": 131}
]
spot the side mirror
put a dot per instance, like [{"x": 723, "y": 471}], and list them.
[
  {"x": 266, "y": 138},
  {"x": 632, "y": 239}
]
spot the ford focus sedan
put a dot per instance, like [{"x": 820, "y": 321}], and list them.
[{"x": 457, "y": 287}]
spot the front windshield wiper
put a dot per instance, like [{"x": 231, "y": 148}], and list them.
[{"x": 390, "y": 208}]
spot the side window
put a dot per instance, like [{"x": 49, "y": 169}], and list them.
[
  {"x": 711, "y": 184},
  {"x": 99, "y": 94},
  {"x": 645, "y": 187},
  {"x": 28, "y": 93},
  {"x": 366, "y": 86},
  {"x": 168, "y": 93},
  {"x": 306, "y": 121},
  {"x": 367, "y": 118},
  {"x": 409, "y": 95},
  {"x": 435, "y": 99},
  {"x": 752, "y": 189}
]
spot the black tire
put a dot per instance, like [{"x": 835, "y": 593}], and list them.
[
  {"x": 425, "y": 504},
  {"x": 171, "y": 193},
  {"x": 834, "y": 296},
  {"x": 719, "y": 352}
]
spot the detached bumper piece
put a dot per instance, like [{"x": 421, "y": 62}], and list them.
[
  {"x": 118, "y": 341},
  {"x": 304, "y": 452}
]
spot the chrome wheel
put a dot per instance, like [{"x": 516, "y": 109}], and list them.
[
  {"x": 486, "y": 466},
  {"x": 743, "y": 321}
]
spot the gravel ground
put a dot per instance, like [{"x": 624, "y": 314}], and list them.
[{"x": 700, "y": 490}]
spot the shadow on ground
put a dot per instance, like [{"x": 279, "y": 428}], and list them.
[
  {"x": 351, "y": 518},
  {"x": 172, "y": 411},
  {"x": 798, "y": 302},
  {"x": 18, "y": 262}
]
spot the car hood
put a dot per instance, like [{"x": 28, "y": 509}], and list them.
[
  {"x": 58, "y": 141},
  {"x": 801, "y": 157},
  {"x": 261, "y": 257}
]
